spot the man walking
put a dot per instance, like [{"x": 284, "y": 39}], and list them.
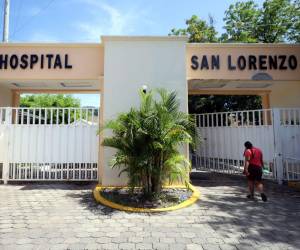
[{"x": 253, "y": 169}]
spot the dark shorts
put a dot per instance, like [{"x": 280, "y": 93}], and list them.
[{"x": 255, "y": 173}]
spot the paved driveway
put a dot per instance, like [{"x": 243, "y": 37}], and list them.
[{"x": 65, "y": 216}]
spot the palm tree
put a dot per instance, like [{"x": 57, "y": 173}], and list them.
[{"x": 148, "y": 142}]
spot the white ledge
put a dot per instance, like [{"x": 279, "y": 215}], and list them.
[
  {"x": 144, "y": 38},
  {"x": 236, "y": 45}
]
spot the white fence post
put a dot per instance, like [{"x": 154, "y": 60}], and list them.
[
  {"x": 7, "y": 124},
  {"x": 278, "y": 145}
]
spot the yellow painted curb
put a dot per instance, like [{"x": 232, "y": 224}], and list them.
[
  {"x": 194, "y": 197},
  {"x": 294, "y": 184}
]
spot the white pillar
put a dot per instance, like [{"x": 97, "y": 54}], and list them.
[
  {"x": 130, "y": 63},
  {"x": 277, "y": 145},
  {"x": 7, "y": 124}
]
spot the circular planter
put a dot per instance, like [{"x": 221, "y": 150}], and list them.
[{"x": 99, "y": 198}]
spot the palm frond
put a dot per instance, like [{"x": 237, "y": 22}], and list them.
[{"x": 147, "y": 140}]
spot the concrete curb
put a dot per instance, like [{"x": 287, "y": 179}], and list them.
[{"x": 194, "y": 197}]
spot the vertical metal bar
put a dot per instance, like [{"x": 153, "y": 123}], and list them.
[
  {"x": 80, "y": 168},
  {"x": 14, "y": 171},
  {"x": 242, "y": 118},
  {"x": 61, "y": 170},
  {"x": 46, "y": 116},
  {"x": 69, "y": 116},
  {"x": 25, "y": 170},
  {"x": 28, "y": 116},
  {"x": 295, "y": 117},
  {"x": 51, "y": 116},
  {"x": 22, "y": 115},
  {"x": 75, "y": 143},
  {"x": 41, "y": 169},
  {"x": 63, "y": 116},
  {"x": 33, "y": 116},
  {"x": 40, "y": 116},
  {"x": 57, "y": 116},
  {"x": 55, "y": 170},
  {"x": 282, "y": 111}
]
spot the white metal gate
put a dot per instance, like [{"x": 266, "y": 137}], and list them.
[
  {"x": 275, "y": 131},
  {"x": 49, "y": 144}
]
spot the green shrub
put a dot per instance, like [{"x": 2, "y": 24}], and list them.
[{"x": 148, "y": 141}]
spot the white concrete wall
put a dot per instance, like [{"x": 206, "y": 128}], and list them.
[
  {"x": 5, "y": 97},
  {"x": 131, "y": 63}
]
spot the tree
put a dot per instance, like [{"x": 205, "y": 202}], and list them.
[
  {"x": 47, "y": 100},
  {"x": 294, "y": 32},
  {"x": 50, "y": 101},
  {"x": 275, "y": 21},
  {"x": 223, "y": 103},
  {"x": 147, "y": 142},
  {"x": 241, "y": 20},
  {"x": 198, "y": 30}
]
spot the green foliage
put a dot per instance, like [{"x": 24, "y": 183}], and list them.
[
  {"x": 222, "y": 103},
  {"x": 148, "y": 142},
  {"x": 276, "y": 21},
  {"x": 198, "y": 31},
  {"x": 241, "y": 20},
  {"x": 294, "y": 32},
  {"x": 49, "y": 100}
]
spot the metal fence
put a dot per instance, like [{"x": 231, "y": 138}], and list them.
[
  {"x": 49, "y": 144},
  {"x": 275, "y": 131}
]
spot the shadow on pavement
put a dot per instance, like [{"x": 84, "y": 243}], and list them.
[
  {"x": 231, "y": 214},
  {"x": 55, "y": 185},
  {"x": 86, "y": 199}
]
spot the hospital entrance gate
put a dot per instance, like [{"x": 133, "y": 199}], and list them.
[
  {"x": 275, "y": 131},
  {"x": 49, "y": 144}
]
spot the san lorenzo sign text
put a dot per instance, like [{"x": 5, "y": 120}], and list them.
[{"x": 249, "y": 62}]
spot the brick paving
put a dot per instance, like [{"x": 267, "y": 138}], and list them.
[{"x": 65, "y": 216}]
